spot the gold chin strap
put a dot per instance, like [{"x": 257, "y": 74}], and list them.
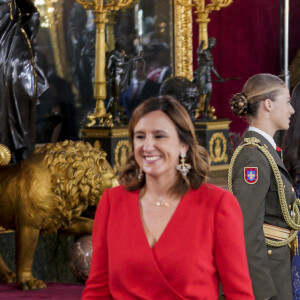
[{"x": 293, "y": 222}]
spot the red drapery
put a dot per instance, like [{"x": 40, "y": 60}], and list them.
[{"x": 247, "y": 34}]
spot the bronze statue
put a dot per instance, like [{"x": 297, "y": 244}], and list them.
[
  {"x": 119, "y": 69},
  {"x": 21, "y": 80},
  {"x": 185, "y": 91},
  {"x": 203, "y": 73},
  {"x": 47, "y": 193}
]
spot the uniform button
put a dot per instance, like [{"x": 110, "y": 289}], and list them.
[
  {"x": 293, "y": 190},
  {"x": 269, "y": 252},
  {"x": 284, "y": 186},
  {"x": 290, "y": 206}
]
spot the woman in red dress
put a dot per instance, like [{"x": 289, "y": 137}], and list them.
[{"x": 165, "y": 233}]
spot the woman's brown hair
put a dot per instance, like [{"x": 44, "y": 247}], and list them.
[{"x": 197, "y": 156}]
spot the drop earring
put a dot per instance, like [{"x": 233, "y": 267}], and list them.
[{"x": 183, "y": 167}]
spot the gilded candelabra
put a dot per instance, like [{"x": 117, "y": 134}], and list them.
[
  {"x": 203, "y": 10},
  {"x": 101, "y": 11}
]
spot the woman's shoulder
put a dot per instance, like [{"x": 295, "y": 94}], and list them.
[
  {"x": 214, "y": 197},
  {"x": 119, "y": 193},
  {"x": 211, "y": 191},
  {"x": 119, "y": 190}
]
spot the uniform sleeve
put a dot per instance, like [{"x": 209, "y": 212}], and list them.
[
  {"x": 252, "y": 199},
  {"x": 97, "y": 286},
  {"x": 230, "y": 252}
]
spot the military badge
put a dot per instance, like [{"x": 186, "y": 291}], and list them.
[{"x": 251, "y": 175}]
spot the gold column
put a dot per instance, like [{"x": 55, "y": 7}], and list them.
[
  {"x": 183, "y": 39},
  {"x": 101, "y": 10}
]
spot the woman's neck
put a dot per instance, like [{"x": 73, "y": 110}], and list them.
[
  {"x": 264, "y": 126},
  {"x": 159, "y": 187}
]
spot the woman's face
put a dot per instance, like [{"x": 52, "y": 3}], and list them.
[
  {"x": 156, "y": 145},
  {"x": 282, "y": 110}
]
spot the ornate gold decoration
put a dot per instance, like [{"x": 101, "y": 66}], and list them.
[
  {"x": 211, "y": 112},
  {"x": 97, "y": 144},
  {"x": 122, "y": 150},
  {"x": 183, "y": 39},
  {"x": 5, "y": 155},
  {"x": 217, "y": 148},
  {"x": 294, "y": 221},
  {"x": 47, "y": 193},
  {"x": 101, "y": 10}
]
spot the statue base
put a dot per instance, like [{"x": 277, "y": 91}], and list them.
[
  {"x": 114, "y": 141},
  {"x": 213, "y": 135}
]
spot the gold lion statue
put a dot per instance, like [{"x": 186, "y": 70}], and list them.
[{"x": 47, "y": 193}]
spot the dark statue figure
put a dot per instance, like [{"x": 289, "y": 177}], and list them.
[
  {"x": 203, "y": 73},
  {"x": 21, "y": 80},
  {"x": 185, "y": 91},
  {"x": 119, "y": 69}
]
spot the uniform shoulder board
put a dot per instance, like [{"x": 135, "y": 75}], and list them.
[{"x": 251, "y": 142}]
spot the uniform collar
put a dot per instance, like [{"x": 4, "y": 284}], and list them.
[
  {"x": 264, "y": 134},
  {"x": 264, "y": 142}
]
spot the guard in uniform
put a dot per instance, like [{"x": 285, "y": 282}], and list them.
[
  {"x": 268, "y": 232},
  {"x": 263, "y": 187}
]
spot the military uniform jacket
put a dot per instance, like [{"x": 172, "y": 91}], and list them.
[{"x": 269, "y": 267}]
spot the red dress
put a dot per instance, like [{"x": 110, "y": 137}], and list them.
[{"x": 202, "y": 244}]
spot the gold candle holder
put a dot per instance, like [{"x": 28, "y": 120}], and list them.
[
  {"x": 203, "y": 10},
  {"x": 101, "y": 11}
]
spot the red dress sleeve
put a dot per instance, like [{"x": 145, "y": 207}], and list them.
[
  {"x": 97, "y": 286},
  {"x": 230, "y": 252}
]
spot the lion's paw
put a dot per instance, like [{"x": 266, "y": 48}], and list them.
[
  {"x": 31, "y": 284},
  {"x": 8, "y": 277}
]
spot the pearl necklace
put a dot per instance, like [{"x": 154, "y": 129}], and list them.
[{"x": 161, "y": 203}]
